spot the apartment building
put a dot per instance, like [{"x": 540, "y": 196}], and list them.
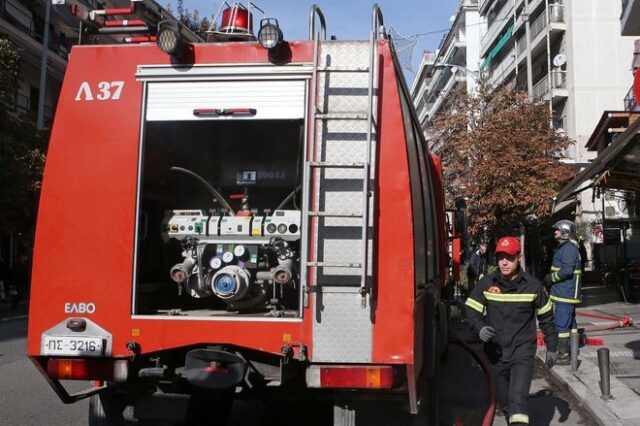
[
  {"x": 455, "y": 64},
  {"x": 566, "y": 51}
]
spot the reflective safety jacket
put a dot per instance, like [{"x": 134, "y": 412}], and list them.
[
  {"x": 566, "y": 274},
  {"x": 511, "y": 308}
]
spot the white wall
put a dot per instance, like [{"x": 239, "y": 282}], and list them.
[
  {"x": 473, "y": 32},
  {"x": 598, "y": 63}
]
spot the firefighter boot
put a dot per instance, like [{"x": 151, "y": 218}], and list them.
[{"x": 564, "y": 353}]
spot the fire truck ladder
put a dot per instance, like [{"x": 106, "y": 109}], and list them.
[{"x": 339, "y": 174}]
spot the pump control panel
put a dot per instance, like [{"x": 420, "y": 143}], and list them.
[{"x": 182, "y": 224}]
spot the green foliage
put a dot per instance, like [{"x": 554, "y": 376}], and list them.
[{"x": 22, "y": 152}]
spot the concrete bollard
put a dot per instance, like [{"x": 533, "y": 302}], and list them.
[{"x": 605, "y": 379}]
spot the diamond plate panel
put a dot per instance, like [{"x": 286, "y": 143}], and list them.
[
  {"x": 342, "y": 330},
  {"x": 346, "y": 54},
  {"x": 347, "y": 201},
  {"x": 343, "y": 92}
]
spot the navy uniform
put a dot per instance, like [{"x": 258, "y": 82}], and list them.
[
  {"x": 509, "y": 308},
  {"x": 565, "y": 280}
]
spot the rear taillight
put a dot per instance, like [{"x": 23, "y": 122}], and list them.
[
  {"x": 88, "y": 369},
  {"x": 350, "y": 376}
]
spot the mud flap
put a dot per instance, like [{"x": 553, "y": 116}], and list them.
[{"x": 213, "y": 369}]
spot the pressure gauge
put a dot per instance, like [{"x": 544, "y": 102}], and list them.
[
  {"x": 282, "y": 228},
  {"x": 271, "y": 228},
  {"x": 215, "y": 263},
  {"x": 227, "y": 257},
  {"x": 240, "y": 251}
]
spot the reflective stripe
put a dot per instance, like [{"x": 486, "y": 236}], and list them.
[
  {"x": 575, "y": 293},
  {"x": 574, "y": 330},
  {"x": 555, "y": 268},
  {"x": 564, "y": 335},
  {"x": 578, "y": 272},
  {"x": 517, "y": 297},
  {"x": 563, "y": 300},
  {"x": 519, "y": 418},
  {"x": 546, "y": 308},
  {"x": 554, "y": 277},
  {"x": 474, "y": 304}
]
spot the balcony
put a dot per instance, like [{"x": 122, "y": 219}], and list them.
[
  {"x": 502, "y": 69},
  {"x": 560, "y": 125},
  {"x": 495, "y": 29},
  {"x": 23, "y": 20}
]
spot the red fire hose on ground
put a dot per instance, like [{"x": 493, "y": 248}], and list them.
[
  {"x": 486, "y": 368},
  {"x": 615, "y": 322}
]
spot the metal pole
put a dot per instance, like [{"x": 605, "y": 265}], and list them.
[
  {"x": 575, "y": 343},
  {"x": 605, "y": 379},
  {"x": 43, "y": 65},
  {"x": 528, "y": 40}
]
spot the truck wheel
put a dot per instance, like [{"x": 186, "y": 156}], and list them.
[{"x": 103, "y": 411}]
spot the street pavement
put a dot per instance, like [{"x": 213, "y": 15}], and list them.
[
  {"x": 464, "y": 396},
  {"x": 28, "y": 400},
  {"x": 623, "y": 408}
]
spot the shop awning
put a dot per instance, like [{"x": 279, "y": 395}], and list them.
[{"x": 617, "y": 167}]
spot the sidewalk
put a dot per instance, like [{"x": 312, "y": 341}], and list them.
[{"x": 623, "y": 409}]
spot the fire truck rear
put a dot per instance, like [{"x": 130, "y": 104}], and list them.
[{"x": 246, "y": 216}]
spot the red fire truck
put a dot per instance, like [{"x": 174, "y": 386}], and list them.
[{"x": 245, "y": 215}]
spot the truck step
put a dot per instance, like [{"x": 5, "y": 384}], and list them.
[
  {"x": 334, "y": 264},
  {"x": 342, "y": 116},
  {"x": 326, "y": 164},
  {"x": 336, "y": 214},
  {"x": 342, "y": 69}
]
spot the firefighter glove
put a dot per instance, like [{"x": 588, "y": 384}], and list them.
[
  {"x": 547, "y": 281},
  {"x": 551, "y": 359},
  {"x": 487, "y": 333}
]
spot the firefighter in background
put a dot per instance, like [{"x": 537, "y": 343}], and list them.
[
  {"x": 502, "y": 310},
  {"x": 564, "y": 282},
  {"x": 477, "y": 268}
]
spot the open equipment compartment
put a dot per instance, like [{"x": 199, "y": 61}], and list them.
[{"x": 219, "y": 200}]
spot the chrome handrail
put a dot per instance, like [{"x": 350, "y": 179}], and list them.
[
  {"x": 377, "y": 23},
  {"x": 315, "y": 10}
]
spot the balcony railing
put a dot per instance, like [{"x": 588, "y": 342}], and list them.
[
  {"x": 499, "y": 70},
  {"x": 25, "y": 22},
  {"x": 630, "y": 103},
  {"x": 541, "y": 88},
  {"x": 538, "y": 25}
]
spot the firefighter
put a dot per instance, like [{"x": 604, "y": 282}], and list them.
[
  {"x": 502, "y": 310},
  {"x": 564, "y": 283}
]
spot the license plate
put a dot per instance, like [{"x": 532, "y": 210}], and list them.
[{"x": 72, "y": 346}]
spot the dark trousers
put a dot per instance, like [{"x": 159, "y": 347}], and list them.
[
  {"x": 565, "y": 318},
  {"x": 513, "y": 381}
]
